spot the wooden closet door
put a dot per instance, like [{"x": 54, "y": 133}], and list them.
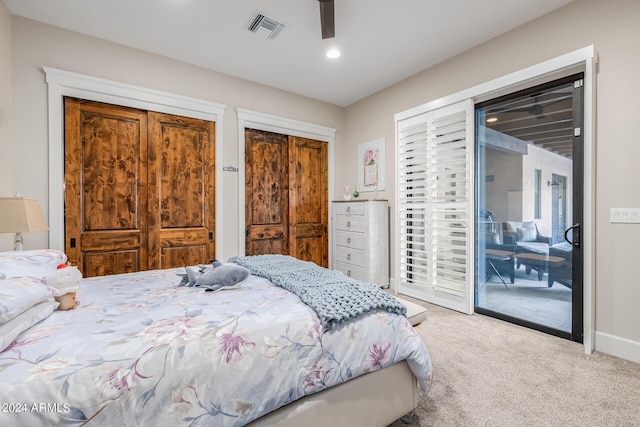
[
  {"x": 286, "y": 196},
  {"x": 308, "y": 200},
  {"x": 266, "y": 193},
  {"x": 105, "y": 187},
  {"x": 181, "y": 191}
]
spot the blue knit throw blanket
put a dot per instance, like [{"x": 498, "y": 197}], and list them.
[{"x": 335, "y": 297}]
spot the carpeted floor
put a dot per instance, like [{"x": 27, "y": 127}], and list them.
[{"x": 492, "y": 373}]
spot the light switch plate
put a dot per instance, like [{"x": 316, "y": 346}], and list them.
[{"x": 625, "y": 215}]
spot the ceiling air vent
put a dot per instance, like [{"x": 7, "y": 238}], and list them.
[{"x": 265, "y": 26}]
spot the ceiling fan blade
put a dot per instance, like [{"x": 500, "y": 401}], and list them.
[{"x": 327, "y": 22}]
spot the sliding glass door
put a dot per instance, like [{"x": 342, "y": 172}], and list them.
[{"x": 529, "y": 207}]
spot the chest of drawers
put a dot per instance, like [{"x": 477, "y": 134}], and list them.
[{"x": 360, "y": 243}]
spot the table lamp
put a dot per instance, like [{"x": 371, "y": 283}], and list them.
[{"x": 21, "y": 215}]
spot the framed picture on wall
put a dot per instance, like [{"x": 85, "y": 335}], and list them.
[{"x": 371, "y": 166}]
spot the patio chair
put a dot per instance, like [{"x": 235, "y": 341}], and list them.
[{"x": 531, "y": 247}]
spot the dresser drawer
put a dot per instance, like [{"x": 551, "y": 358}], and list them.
[
  {"x": 352, "y": 271},
  {"x": 350, "y": 240},
  {"x": 349, "y": 208},
  {"x": 351, "y": 223},
  {"x": 354, "y": 257}
]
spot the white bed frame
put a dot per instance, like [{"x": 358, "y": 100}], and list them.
[{"x": 374, "y": 399}]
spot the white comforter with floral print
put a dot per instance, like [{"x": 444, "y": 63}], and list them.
[{"x": 140, "y": 351}]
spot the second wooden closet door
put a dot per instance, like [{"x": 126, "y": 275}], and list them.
[{"x": 286, "y": 196}]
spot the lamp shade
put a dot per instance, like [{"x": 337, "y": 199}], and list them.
[{"x": 19, "y": 214}]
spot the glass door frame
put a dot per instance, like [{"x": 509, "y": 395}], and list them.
[{"x": 577, "y": 317}]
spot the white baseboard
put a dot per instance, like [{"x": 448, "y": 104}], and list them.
[{"x": 617, "y": 346}]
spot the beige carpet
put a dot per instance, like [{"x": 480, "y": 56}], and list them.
[{"x": 492, "y": 373}]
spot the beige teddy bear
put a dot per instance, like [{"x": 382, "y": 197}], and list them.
[{"x": 65, "y": 281}]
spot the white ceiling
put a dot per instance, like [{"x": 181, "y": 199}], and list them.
[{"x": 382, "y": 42}]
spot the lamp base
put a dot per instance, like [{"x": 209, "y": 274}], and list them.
[{"x": 17, "y": 244}]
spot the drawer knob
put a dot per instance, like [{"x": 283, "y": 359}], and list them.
[
  {"x": 348, "y": 223},
  {"x": 348, "y": 239},
  {"x": 348, "y": 272},
  {"x": 349, "y": 256},
  {"x": 348, "y": 209}
]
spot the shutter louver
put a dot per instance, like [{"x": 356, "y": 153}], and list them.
[
  {"x": 412, "y": 206},
  {"x": 434, "y": 205},
  {"x": 449, "y": 203}
]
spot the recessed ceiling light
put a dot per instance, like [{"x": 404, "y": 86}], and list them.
[
  {"x": 333, "y": 53},
  {"x": 492, "y": 119}
]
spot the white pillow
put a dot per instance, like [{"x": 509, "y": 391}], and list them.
[
  {"x": 34, "y": 263},
  {"x": 9, "y": 331},
  {"x": 526, "y": 234},
  {"x": 19, "y": 294}
]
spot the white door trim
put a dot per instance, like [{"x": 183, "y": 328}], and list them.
[
  {"x": 269, "y": 123},
  {"x": 65, "y": 83},
  {"x": 587, "y": 59}
]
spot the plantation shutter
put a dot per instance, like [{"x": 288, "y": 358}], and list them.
[{"x": 434, "y": 206}]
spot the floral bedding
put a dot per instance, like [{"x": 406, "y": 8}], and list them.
[{"x": 141, "y": 351}]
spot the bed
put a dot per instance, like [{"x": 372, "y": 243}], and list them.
[{"x": 140, "y": 350}]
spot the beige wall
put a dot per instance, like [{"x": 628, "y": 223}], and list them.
[
  {"x": 5, "y": 112},
  {"x": 5, "y": 101},
  {"x": 612, "y": 27},
  {"x": 36, "y": 45}
]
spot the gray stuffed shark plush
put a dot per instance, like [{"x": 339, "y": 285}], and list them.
[{"x": 217, "y": 276}]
